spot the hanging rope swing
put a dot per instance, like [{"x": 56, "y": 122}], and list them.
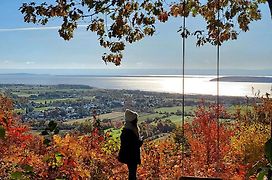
[
  {"x": 183, "y": 84},
  {"x": 218, "y": 87},
  {"x": 184, "y": 36}
]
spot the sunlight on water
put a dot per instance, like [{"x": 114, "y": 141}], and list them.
[
  {"x": 172, "y": 84},
  {"x": 195, "y": 85}
]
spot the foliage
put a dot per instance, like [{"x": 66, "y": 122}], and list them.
[
  {"x": 161, "y": 160},
  {"x": 209, "y": 143},
  {"x": 263, "y": 110},
  {"x": 249, "y": 140},
  {"x": 266, "y": 171},
  {"x": 49, "y": 131},
  {"x": 152, "y": 129},
  {"x": 118, "y": 21},
  {"x": 241, "y": 142},
  {"x": 14, "y": 137},
  {"x": 85, "y": 127},
  {"x": 24, "y": 156},
  {"x": 92, "y": 155},
  {"x": 252, "y": 131}
]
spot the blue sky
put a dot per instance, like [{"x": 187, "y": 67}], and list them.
[{"x": 22, "y": 48}]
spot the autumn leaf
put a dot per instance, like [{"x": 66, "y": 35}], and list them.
[{"x": 163, "y": 17}]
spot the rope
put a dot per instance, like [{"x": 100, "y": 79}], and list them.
[
  {"x": 217, "y": 89},
  {"x": 183, "y": 84}
]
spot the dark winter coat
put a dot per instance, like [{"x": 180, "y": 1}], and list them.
[{"x": 130, "y": 148}]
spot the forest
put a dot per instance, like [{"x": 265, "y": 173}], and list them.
[{"x": 244, "y": 144}]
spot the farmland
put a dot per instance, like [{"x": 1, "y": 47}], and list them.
[{"x": 74, "y": 105}]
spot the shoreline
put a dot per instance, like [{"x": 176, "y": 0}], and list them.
[
  {"x": 232, "y": 86},
  {"x": 75, "y": 86},
  {"x": 253, "y": 79},
  {"x": 222, "y": 78}
]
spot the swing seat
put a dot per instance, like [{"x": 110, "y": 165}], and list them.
[{"x": 198, "y": 178}]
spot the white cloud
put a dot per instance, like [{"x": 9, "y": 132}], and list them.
[{"x": 34, "y": 28}]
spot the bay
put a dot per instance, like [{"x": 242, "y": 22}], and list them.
[{"x": 194, "y": 84}]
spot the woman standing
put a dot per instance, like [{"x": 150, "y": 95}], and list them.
[{"x": 130, "y": 144}]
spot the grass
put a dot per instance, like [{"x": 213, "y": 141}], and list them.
[
  {"x": 230, "y": 110},
  {"x": 28, "y": 91},
  {"x": 43, "y": 108},
  {"x": 38, "y": 90},
  {"x": 175, "y": 109},
  {"x": 143, "y": 117},
  {"x": 178, "y": 119},
  {"x": 120, "y": 116},
  {"x": 35, "y": 109},
  {"x": 113, "y": 116},
  {"x": 23, "y": 94},
  {"x": 19, "y": 111},
  {"x": 243, "y": 108},
  {"x": 42, "y": 101},
  {"x": 77, "y": 121}
]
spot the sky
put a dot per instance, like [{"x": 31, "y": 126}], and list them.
[{"x": 28, "y": 46}]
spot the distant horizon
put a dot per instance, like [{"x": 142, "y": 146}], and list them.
[
  {"x": 138, "y": 72},
  {"x": 194, "y": 84}
]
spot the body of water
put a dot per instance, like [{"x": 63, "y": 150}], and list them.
[{"x": 172, "y": 84}]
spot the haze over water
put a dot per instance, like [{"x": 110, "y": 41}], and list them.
[{"x": 194, "y": 84}]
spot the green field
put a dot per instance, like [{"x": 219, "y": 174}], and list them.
[
  {"x": 43, "y": 108},
  {"x": 19, "y": 111},
  {"x": 243, "y": 108},
  {"x": 191, "y": 109},
  {"x": 178, "y": 119},
  {"x": 37, "y": 90},
  {"x": 42, "y": 101},
  {"x": 143, "y": 117},
  {"x": 35, "y": 109},
  {"x": 113, "y": 116},
  {"x": 23, "y": 94},
  {"x": 175, "y": 109},
  {"x": 120, "y": 116}
]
